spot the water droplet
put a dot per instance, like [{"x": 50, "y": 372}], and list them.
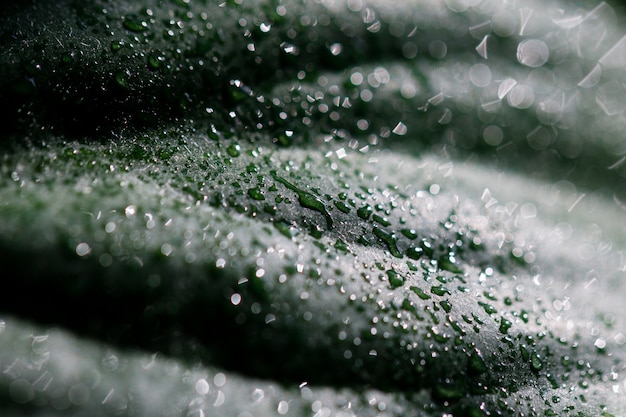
[
  {"x": 285, "y": 229},
  {"x": 383, "y": 221},
  {"x": 116, "y": 45},
  {"x": 389, "y": 239},
  {"x": 448, "y": 263},
  {"x": 420, "y": 293},
  {"x": 155, "y": 61},
  {"x": 489, "y": 309},
  {"x": 476, "y": 363},
  {"x": 364, "y": 212},
  {"x": 121, "y": 78},
  {"x": 341, "y": 245},
  {"x": 306, "y": 199},
  {"x": 134, "y": 25},
  {"x": 233, "y": 150},
  {"x": 535, "y": 362},
  {"x": 448, "y": 391},
  {"x": 505, "y": 325},
  {"x": 395, "y": 279},
  {"x": 439, "y": 290},
  {"x": 414, "y": 252},
  {"x": 342, "y": 206},
  {"x": 256, "y": 194}
]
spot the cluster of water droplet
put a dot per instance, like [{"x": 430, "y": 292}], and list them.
[{"x": 330, "y": 254}]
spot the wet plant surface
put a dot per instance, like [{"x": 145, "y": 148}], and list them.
[{"x": 312, "y": 208}]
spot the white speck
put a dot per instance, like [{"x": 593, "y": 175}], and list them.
[
  {"x": 446, "y": 117},
  {"x": 616, "y": 56},
  {"x": 202, "y": 386},
  {"x": 590, "y": 283},
  {"x": 580, "y": 197},
  {"x": 491, "y": 106},
  {"x": 336, "y": 49},
  {"x": 528, "y": 211},
  {"x": 532, "y": 53},
  {"x": 525, "y": 15},
  {"x": 283, "y": 407},
  {"x": 539, "y": 138},
  {"x": 504, "y": 23},
  {"x": 568, "y": 22},
  {"x": 505, "y": 87},
  {"x": 366, "y": 95},
  {"x": 341, "y": 153},
  {"x": 436, "y": 99},
  {"x": 521, "y": 97},
  {"x": 409, "y": 50},
  {"x": 130, "y": 211},
  {"x": 493, "y": 135},
  {"x": 482, "y": 47},
  {"x": 220, "y": 400},
  {"x": 438, "y": 49},
  {"x": 219, "y": 379},
  {"x": 220, "y": 263},
  {"x": 166, "y": 249},
  {"x": 600, "y": 343},
  {"x": 621, "y": 204},
  {"x": 83, "y": 249},
  {"x": 480, "y": 30},
  {"x": 265, "y": 27},
  {"x": 480, "y": 75},
  {"x": 618, "y": 163},
  {"x": 374, "y": 27},
  {"x": 400, "y": 129},
  {"x": 108, "y": 396},
  {"x": 408, "y": 90},
  {"x": 257, "y": 395},
  {"x": 611, "y": 97},
  {"x": 289, "y": 48},
  {"x": 235, "y": 299},
  {"x": 78, "y": 394},
  {"x": 356, "y": 78}
]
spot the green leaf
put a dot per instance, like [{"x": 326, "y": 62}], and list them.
[{"x": 311, "y": 209}]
